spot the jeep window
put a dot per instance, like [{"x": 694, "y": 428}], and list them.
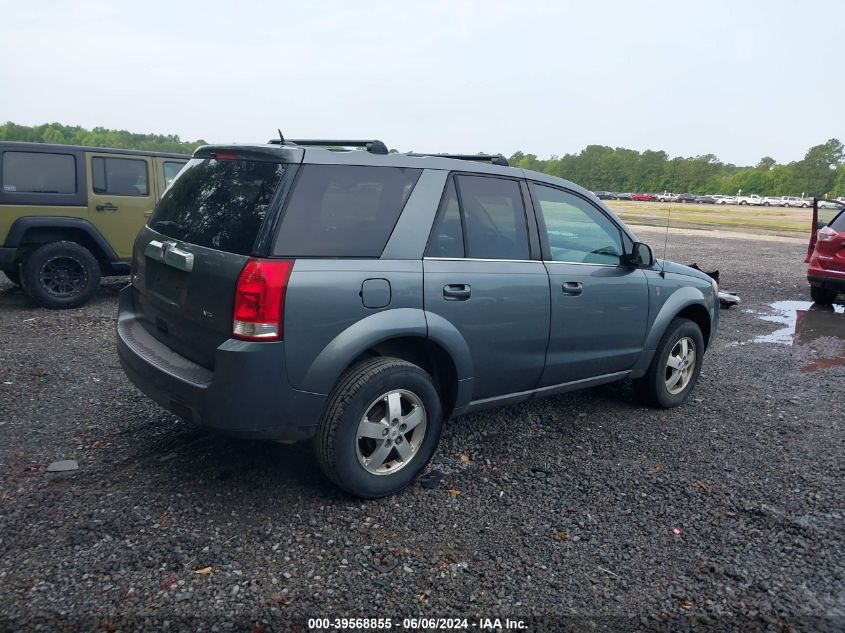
[
  {"x": 38, "y": 172},
  {"x": 218, "y": 204},
  {"x": 171, "y": 170},
  {"x": 343, "y": 210},
  {"x": 575, "y": 230},
  {"x": 494, "y": 218},
  {"x": 119, "y": 176},
  {"x": 447, "y": 236}
]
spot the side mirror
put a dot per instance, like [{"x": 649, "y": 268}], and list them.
[{"x": 641, "y": 256}]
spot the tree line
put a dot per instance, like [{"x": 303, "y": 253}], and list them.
[
  {"x": 597, "y": 167},
  {"x": 98, "y": 137},
  {"x": 820, "y": 173}
]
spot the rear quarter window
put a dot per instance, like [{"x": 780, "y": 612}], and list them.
[
  {"x": 38, "y": 172},
  {"x": 343, "y": 210}
]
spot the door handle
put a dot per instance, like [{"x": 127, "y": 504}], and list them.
[
  {"x": 108, "y": 207},
  {"x": 148, "y": 214},
  {"x": 572, "y": 288},
  {"x": 457, "y": 292}
]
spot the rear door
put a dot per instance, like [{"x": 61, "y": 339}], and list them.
[
  {"x": 187, "y": 262},
  {"x": 599, "y": 307},
  {"x": 480, "y": 276},
  {"x": 121, "y": 192}
]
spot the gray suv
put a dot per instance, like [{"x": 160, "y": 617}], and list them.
[{"x": 360, "y": 298}]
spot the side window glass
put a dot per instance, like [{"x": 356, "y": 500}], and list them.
[
  {"x": 38, "y": 172},
  {"x": 577, "y": 232},
  {"x": 171, "y": 170},
  {"x": 447, "y": 236},
  {"x": 119, "y": 176},
  {"x": 494, "y": 218}
]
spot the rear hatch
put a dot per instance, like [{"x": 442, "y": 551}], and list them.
[
  {"x": 827, "y": 238},
  {"x": 217, "y": 213}
]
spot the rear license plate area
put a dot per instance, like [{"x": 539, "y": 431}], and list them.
[{"x": 166, "y": 281}]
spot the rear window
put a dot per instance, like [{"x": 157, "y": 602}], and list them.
[
  {"x": 343, "y": 210},
  {"x": 218, "y": 204},
  {"x": 38, "y": 172},
  {"x": 838, "y": 223}
]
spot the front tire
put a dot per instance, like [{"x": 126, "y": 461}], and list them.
[
  {"x": 380, "y": 428},
  {"x": 675, "y": 368},
  {"x": 821, "y": 296},
  {"x": 60, "y": 275}
]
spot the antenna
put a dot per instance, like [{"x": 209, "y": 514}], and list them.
[
  {"x": 668, "y": 217},
  {"x": 281, "y": 136}
]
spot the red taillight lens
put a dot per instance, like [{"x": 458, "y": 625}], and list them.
[
  {"x": 222, "y": 155},
  {"x": 260, "y": 300},
  {"x": 826, "y": 234}
]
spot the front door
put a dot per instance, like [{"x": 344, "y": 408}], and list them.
[
  {"x": 480, "y": 277},
  {"x": 599, "y": 306},
  {"x": 121, "y": 194}
]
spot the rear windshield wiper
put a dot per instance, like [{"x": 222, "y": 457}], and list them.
[{"x": 168, "y": 224}]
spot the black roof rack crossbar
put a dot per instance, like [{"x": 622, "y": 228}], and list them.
[
  {"x": 374, "y": 146},
  {"x": 495, "y": 159}
]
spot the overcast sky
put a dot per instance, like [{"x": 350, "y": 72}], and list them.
[{"x": 739, "y": 79}]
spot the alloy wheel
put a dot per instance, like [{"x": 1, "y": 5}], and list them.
[
  {"x": 391, "y": 432},
  {"x": 680, "y": 365}
]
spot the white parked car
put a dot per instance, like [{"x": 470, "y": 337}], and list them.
[
  {"x": 771, "y": 201},
  {"x": 795, "y": 201},
  {"x": 667, "y": 197},
  {"x": 752, "y": 199},
  {"x": 725, "y": 199}
]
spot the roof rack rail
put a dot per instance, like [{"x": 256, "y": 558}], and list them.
[
  {"x": 373, "y": 147},
  {"x": 495, "y": 159}
]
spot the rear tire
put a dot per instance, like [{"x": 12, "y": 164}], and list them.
[
  {"x": 656, "y": 388},
  {"x": 13, "y": 274},
  {"x": 60, "y": 275},
  {"x": 821, "y": 296},
  {"x": 380, "y": 427}
]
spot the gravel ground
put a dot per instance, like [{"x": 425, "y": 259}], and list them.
[{"x": 583, "y": 510}]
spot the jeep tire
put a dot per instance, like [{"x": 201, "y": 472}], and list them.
[
  {"x": 60, "y": 275},
  {"x": 380, "y": 427},
  {"x": 675, "y": 368}
]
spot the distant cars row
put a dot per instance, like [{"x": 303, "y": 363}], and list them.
[{"x": 684, "y": 198}]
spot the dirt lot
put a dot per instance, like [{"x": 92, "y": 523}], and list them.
[
  {"x": 786, "y": 221},
  {"x": 586, "y": 509}
]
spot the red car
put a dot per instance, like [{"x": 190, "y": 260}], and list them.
[
  {"x": 643, "y": 197},
  {"x": 826, "y": 257}
]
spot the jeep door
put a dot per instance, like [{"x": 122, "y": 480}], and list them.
[
  {"x": 121, "y": 193},
  {"x": 481, "y": 278},
  {"x": 599, "y": 306}
]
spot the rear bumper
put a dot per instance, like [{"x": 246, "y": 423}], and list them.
[
  {"x": 247, "y": 394},
  {"x": 829, "y": 280}
]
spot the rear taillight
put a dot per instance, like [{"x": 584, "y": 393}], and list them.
[
  {"x": 260, "y": 300},
  {"x": 826, "y": 234},
  {"x": 224, "y": 155}
]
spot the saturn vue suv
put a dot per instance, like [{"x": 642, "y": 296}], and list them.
[{"x": 336, "y": 292}]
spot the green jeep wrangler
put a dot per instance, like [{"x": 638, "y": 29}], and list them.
[{"x": 69, "y": 215}]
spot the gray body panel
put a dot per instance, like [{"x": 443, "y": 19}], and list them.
[
  {"x": 507, "y": 327},
  {"x": 504, "y": 320},
  {"x": 602, "y": 329}
]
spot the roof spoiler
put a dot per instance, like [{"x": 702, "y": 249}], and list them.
[
  {"x": 373, "y": 147},
  {"x": 494, "y": 159}
]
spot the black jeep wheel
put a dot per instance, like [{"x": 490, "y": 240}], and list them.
[
  {"x": 380, "y": 427},
  {"x": 13, "y": 274},
  {"x": 60, "y": 275}
]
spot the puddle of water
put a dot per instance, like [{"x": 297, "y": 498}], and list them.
[{"x": 802, "y": 323}]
